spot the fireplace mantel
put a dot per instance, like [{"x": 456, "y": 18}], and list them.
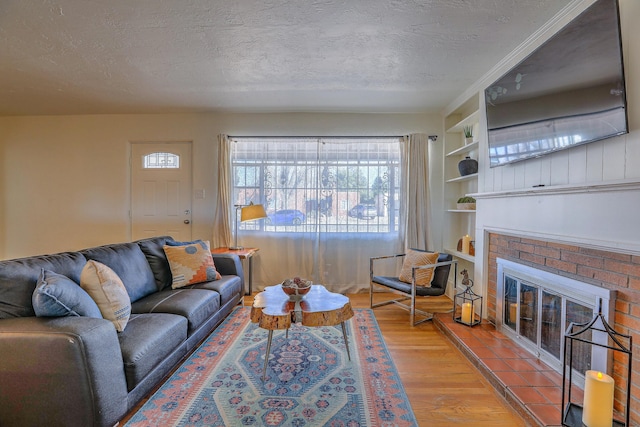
[{"x": 605, "y": 186}]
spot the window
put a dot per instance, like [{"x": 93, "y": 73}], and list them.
[
  {"x": 161, "y": 161},
  {"x": 339, "y": 185}
]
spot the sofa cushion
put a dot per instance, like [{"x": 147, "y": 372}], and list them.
[
  {"x": 196, "y": 305},
  {"x": 129, "y": 263},
  {"x": 190, "y": 263},
  {"x": 148, "y": 340},
  {"x": 228, "y": 287},
  {"x": 18, "y": 279},
  {"x": 57, "y": 295},
  {"x": 157, "y": 259},
  {"x": 108, "y": 291}
]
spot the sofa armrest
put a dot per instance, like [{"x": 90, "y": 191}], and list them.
[
  {"x": 229, "y": 265},
  {"x": 61, "y": 371}
]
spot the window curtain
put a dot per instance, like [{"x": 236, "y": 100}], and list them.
[
  {"x": 415, "y": 153},
  {"x": 330, "y": 247},
  {"x": 221, "y": 219}
]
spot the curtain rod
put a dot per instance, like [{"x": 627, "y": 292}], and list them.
[{"x": 314, "y": 136}]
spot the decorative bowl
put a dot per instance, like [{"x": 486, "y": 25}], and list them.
[{"x": 296, "y": 287}]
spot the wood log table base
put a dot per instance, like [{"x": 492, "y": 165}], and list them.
[{"x": 272, "y": 309}]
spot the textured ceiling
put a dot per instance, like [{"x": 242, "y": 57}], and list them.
[{"x": 151, "y": 56}]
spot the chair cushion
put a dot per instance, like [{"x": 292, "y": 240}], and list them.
[
  {"x": 108, "y": 291},
  {"x": 190, "y": 263},
  {"x": 395, "y": 283},
  {"x": 415, "y": 258},
  {"x": 57, "y": 295}
]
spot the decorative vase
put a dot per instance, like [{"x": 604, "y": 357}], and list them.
[
  {"x": 468, "y": 140},
  {"x": 468, "y": 166}
]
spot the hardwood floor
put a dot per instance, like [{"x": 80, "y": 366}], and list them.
[{"x": 443, "y": 387}]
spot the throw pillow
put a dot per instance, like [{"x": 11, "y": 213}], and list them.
[
  {"x": 108, "y": 291},
  {"x": 57, "y": 295},
  {"x": 191, "y": 263},
  {"x": 415, "y": 258}
]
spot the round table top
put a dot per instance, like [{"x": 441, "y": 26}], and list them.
[{"x": 273, "y": 309}]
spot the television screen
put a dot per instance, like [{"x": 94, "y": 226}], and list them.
[{"x": 568, "y": 92}]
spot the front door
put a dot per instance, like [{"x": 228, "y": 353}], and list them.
[{"x": 161, "y": 190}]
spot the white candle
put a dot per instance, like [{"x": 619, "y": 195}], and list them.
[
  {"x": 513, "y": 310},
  {"x": 467, "y": 313},
  {"x": 597, "y": 407},
  {"x": 466, "y": 241}
]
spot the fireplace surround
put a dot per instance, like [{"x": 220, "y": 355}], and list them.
[{"x": 608, "y": 269}]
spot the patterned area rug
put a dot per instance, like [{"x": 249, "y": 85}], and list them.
[{"x": 310, "y": 381}]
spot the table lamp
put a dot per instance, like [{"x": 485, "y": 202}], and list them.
[{"x": 248, "y": 212}]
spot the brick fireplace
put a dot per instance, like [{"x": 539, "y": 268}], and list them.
[{"x": 607, "y": 269}]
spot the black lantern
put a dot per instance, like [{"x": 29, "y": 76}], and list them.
[
  {"x": 597, "y": 407},
  {"x": 470, "y": 303}
]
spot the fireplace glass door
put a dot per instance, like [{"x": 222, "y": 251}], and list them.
[{"x": 541, "y": 316}]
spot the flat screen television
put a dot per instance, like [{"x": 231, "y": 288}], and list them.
[{"x": 570, "y": 91}]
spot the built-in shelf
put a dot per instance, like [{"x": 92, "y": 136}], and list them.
[
  {"x": 464, "y": 178},
  {"x": 469, "y": 120},
  {"x": 459, "y": 222},
  {"x": 464, "y": 149},
  {"x": 461, "y": 255}
]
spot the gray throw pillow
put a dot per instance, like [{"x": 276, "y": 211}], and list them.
[{"x": 57, "y": 295}]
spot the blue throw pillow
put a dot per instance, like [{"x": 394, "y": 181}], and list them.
[{"x": 57, "y": 295}]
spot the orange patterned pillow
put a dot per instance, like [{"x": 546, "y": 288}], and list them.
[
  {"x": 415, "y": 258},
  {"x": 191, "y": 263}
]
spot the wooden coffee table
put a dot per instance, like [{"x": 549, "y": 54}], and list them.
[{"x": 272, "y": 309}]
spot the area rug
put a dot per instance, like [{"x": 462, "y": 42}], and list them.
[{"x": 309, "y": 381}]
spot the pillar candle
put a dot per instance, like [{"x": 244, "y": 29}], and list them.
[
  {"x": 513, "y": 312},
  {"x": 466, "y": 241},
  {"x": 597, "y": 407},
  {"x": 467, "y": 313}
]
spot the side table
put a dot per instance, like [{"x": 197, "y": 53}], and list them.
[{"x": 244, "y": 253}]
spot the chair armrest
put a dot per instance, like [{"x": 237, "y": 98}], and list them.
[
  {"x": 378, "y": 258},
  {"x": 437, "y": 264},
  {"x": 386, "y": 256}
]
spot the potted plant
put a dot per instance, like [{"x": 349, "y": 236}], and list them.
[
  {"x": 468, "y": 134},
  {"x": 466, "y": 203}
]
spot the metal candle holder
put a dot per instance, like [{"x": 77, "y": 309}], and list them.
[
  {"x": 467, "y": 297},
  {"x": 621, "y": 345}
]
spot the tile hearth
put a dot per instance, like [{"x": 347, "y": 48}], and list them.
[{"x": 533, "y": 388}]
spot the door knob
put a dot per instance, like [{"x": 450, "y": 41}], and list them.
[{"x": 186, "y": 221}]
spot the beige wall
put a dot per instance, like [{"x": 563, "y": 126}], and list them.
[{"x": 65, "y": 179}]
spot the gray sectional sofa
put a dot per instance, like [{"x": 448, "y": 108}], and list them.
[{"x": 78, "y": 370}]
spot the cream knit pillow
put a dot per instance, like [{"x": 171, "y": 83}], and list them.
[
  {"x": 415, "y": 258},
  {"x": 108, "y": 291}
]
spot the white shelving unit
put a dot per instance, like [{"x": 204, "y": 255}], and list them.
[{"x": 458, "y": 222}]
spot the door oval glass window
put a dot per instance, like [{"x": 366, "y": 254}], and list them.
[{"x": 161, "y": 161}]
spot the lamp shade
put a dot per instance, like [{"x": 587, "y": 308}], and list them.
[{"x": 252, "y": 212}]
